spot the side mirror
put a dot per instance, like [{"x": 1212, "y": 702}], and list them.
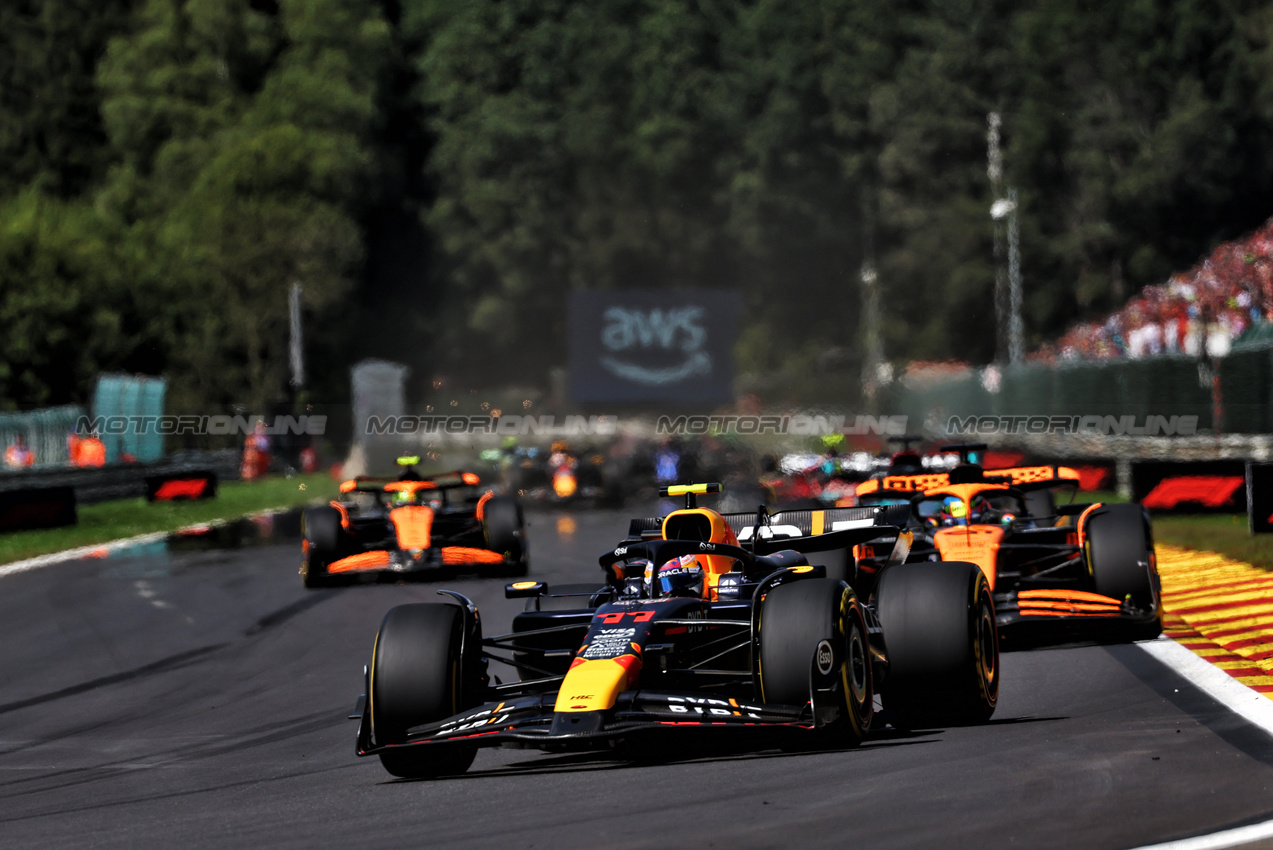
[{"x": 520, "y": 589}]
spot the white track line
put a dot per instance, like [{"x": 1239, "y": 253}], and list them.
[
  {"x": 85, "y": 551},
  {"x": 1251, "y": 705},
  {"x": 1228, "y": 691},
  {"x": 1219, "y": 840},
  {"x": 79, "y": 552}
]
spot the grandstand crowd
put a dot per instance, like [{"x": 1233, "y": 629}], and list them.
[{"x": 1201, "y": 312}]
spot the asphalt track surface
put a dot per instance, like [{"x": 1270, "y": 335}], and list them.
[{"x": 199, "y": 699}]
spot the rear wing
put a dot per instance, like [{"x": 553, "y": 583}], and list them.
[
  {"x": 813, "y": 530},
  {"x": 1021, "y": 477},
  {"x": 443, "y": 481}
]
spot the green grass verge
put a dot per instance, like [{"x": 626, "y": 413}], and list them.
[
  {"x": 1223, "y": 533},
  {"x": 106, "y": 521}
]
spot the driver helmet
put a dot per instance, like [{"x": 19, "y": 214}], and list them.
[
  {"x": 954, "y": 511},
  {"x": 982, "y": 510},
  {"x": 681, "y": 576},
  {"x": 402, "y": 497}
]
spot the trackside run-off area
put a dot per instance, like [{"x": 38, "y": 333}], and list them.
[{"x": 1222, "y": 610}]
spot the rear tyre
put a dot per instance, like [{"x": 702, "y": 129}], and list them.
[
  {"x": 942, "y": 642},
  {"x": 505, "y": 531},
  {"x": 321, "y": 535},
  {"x": 417, "y": 677},
  {"x": 803, "y": 623},
  {"x": 1119, "y": 548}
]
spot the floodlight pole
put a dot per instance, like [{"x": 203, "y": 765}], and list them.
[
  {"x": 994, "y": 169},
  {"x": 1016, "y": 344},
  {"x": 874, "y": 342},
  {"x": 296, "y": 349},
  {"x": 1009, "y": 333}
]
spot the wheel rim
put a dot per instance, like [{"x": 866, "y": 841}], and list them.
[
  {"x": 985, "y": 648},
  {"x": 855, "y": 667}
]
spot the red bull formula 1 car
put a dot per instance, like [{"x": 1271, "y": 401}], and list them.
[
  {"x": 1073, "y": 570},
  {"x": 693, "y": 631},
  {"x": 413, "y": 527}
]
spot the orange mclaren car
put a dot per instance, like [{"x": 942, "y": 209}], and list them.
[
  {"x": 1082, "y": 568},
  {"x": 414, "y": 526}
]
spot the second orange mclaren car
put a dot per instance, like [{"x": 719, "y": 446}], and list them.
[{"x": 414, "y": 526}]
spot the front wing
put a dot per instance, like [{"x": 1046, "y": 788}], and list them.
[
  {"x": 391, "y": 561},
  {"x": 530, "y": 722},
  {"x": 1050, "y": 613}
]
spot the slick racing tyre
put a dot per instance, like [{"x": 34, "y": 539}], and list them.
[
  {"x": 506, "y": 533},
  {"x": 1119, "y": 550},
  {"x": 942, "y": 643},
  {"x": 417, "y": 677},
  {"x": 813, "y": 632},
  {"x": 320, "y": 536}
]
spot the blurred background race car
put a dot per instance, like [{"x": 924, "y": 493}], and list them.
[{"x": 414, "y": 526}]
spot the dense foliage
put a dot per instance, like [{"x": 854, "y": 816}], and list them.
[{"x": 439, "y": 175}]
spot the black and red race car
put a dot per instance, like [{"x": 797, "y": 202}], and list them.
[
  {"x": 706, "y": 623},
  {"x": 1070, "y": 570},
  {"x": 412, "y": 527}
]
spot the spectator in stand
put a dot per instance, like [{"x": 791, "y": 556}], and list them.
[
  {"x": 256, "y": 453},
  {"x": 1203, "y": 310},
  {"x": 18, "y": 455}
]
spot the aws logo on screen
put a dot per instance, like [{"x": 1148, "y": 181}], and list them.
[{"x": 655, "y": 347}]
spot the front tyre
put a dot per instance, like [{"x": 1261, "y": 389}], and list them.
[
  {"x": 942, "y": 643},
  {"x": 505, "y": 531},
  {"x": 1120, "y": 558},
  {"x": 417, "y": 677},
  {"x": 321, "y": 534},
  {"x": 815, "y": 628}
]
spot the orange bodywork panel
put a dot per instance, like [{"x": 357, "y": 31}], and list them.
[
  {"x": 413, "y": 524},
  {"x": 1029, "y": 474},
  {"x": 905, "y": 483},
  {"x": 411, "y": 487},
  {"x": 344, "y": 513},
  {"x": 977, "y": 544},
  {"x": 362, "y": 561},
  {"x": 1082, "y": 533},
  {"x": 1077, "y": 603},
  {"x": 481, "y": 505},
  {"x": 925, "y": 482},
  {"x": 470, "y": 555}
]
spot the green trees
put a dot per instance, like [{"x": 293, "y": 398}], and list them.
[
  {"x": 173, "y": 166},
  {"x": 244, "y": 141},
  {"x": 240, "y": 139}
]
